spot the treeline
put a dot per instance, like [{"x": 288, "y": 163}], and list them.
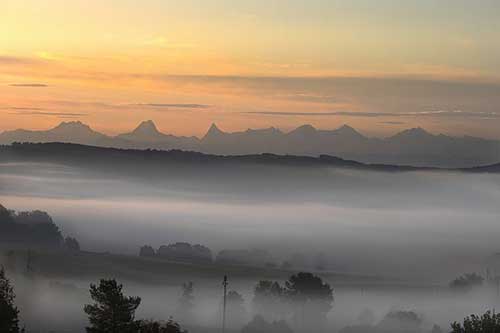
[
  {"x": 186, "y": 252},
  {"x": 200, "y": 254},
  {"x": 307, "y": 297},
  {"x": 33, "y": 228},
  {"x": 304, "y": 300},
  {"x": 110, "y": 311},
  {"x": 183, "y": 252}
]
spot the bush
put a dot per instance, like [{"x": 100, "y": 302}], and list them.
[{"x": 487, "y": 323}]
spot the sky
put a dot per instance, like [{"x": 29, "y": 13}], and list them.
[{"x": 379, "y": 66}]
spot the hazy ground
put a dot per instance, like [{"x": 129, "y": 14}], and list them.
[{"x": 423, "y": 228}]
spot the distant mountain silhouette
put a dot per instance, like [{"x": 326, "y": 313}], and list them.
[
  {"x": 146, "y": 135},
  {"x": 413, "y": 146},
  {"x": 145, "y": 132},
  {"x": 72, "y": 132}
]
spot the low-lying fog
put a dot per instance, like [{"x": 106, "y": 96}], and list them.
[{"x": 422, "y": 227}]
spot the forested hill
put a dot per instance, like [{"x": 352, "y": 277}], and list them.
[{"x": 82, "y": 155}]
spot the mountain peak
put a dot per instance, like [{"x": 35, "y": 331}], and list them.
[
  {"x": 416, "y": 131},
  {"x": 346, "y": 127},
  {"x": 72, "y": 125},
  {"x": 305, "y": 129},
  {"x": 413, "y": 133},
  {"x": 213, "y": 132},
  {"x": 147, "y": 126},
  {"x": 347, "y": 130},
  {"x": 214, "y": 128}
]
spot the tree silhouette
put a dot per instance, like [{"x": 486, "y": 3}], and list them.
[
  {"x": 185, "y": 252},
  {"x": 269, "y": 300},
  {"x": 235, "y": 308},
  {"x": 151, "y": 326},
  {"x": 71, "y": 244},
  {"x": 436, "y": 329},
  {"x": 305, "y": 287},
  {"x": 313, "y": 298},
  {"x": 467, "y": 282},
  {"x": 6, "y": 217},
  {"x": 401, "y": 321},
  {"x": 9, "y": 320},
  {"x": 112, "y": 312},
  {"x": 34, "y": 228},
  {"x": 487, "y": 323},
  {"x": 147, "y": 251},
  {"x": 186, "y": 301}
]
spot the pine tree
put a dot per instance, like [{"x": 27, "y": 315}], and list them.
[{"x": 112, "y": 312}]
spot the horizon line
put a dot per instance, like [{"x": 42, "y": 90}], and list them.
[{"x": 213, "y": 124}]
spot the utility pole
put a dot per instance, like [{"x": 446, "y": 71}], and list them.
[{"x": 224, "y": 283}]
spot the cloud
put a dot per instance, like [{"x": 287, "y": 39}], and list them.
[
  {"x": 311, "y": 97},
  {"x": 437, "y": 113},
  {"x": 163, "y": 105},
  {"x": 19, "y": 108},
  {"x": 55, "y": 114},
  {"x": 392, "y": 122},
  {"x": 29, "y": 85},
  {"x": 11, "y": 60}
]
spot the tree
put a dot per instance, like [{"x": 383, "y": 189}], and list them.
[
  {"x": 185, "y": 252},
  {"x": 467, "y": 282},
  {"x": 401, "y": 321},
  {"x": 9, "y": 314},
  {"x": 313, "y": 297},
  {"x": 151, "y": 326},
  {"x": 36, "y": 228},
  {"x": 112, "y": 312},
  {"x": 40, "y": 228},
  {"x": 306, "y": 287},
  {"x": 147, "y": 251},
  {"x": 71, "y": 244},
  {"x": 5, "y": 216},
  {"x": 186, "y": 303},
  {"x": 235, "y": 308},
  {"x": 436, "y": 329},
  {"x": 269, "y": 300},
  {"x": 487, "y": 323}
]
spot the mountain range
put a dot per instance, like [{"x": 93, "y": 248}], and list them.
[{"x": 416, "y": 146}]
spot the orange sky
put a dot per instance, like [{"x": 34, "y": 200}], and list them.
[{"x": 241, "y": 63}]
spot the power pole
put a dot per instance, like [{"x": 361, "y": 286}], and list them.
[{"x": 224, "y": 283}]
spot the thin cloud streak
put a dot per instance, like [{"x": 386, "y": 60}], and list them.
[
  {"x": 175, "y": 105},
  {"x": 29, "y": 85},
  {"x": 438, "y": 113},
  {"x": 58, "y": 114},
  {"x": 11, "y": 60},
  {"x": 392, "y": 122},
  {"x": 18, "y": 108}
]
